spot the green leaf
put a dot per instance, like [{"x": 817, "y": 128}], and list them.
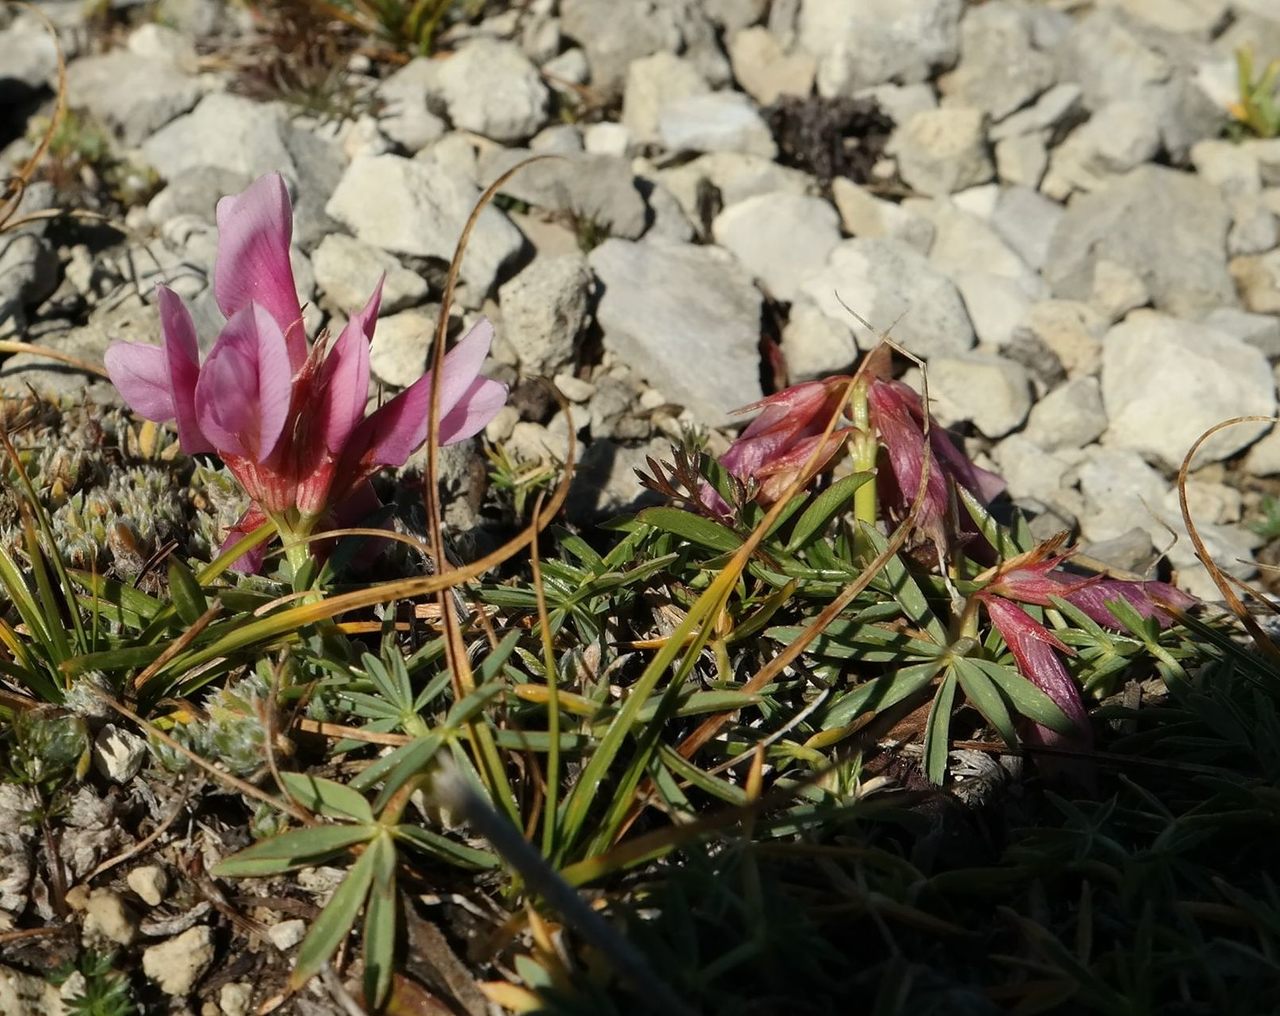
[
  {"x": 297, "y": 848},
  {"x": 826, "y": 506},
  {"x": 380, "y": 916},
  {"x": 409, "y": 757},
  {"x": 118, "y": 594},
  {"x": 694, "y": 528},
  {"x": 328, "y": 798},
  {"x": 984, "y": 696},
  {"x": 937, "y": 729},
  {"x": 1026, "y": 698},
  {"x": 444, "y": 849},
  {"x": 885, "y": 691},
  {"x": 335, "y": 921},
  {"x": 902, "y": 587},
  {"x": 185, "y": 592}
]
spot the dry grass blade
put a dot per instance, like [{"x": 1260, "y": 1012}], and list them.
[{"x": 1260, "y": 638}]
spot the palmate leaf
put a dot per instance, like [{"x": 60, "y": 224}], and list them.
[
  {"x": 984, "y": 695},
  {"x": 937, "y": 729},
  {"x": 380, "y": 919},
  {"x": 825, "y": 507},
  {"x": 298, "y": 848},
  {"x": 885, "y": 691},
  {"x": 338, "y": 917},
  {"x": 694, "y": 528},
  {"x": 325, "y": 797},
  {"x": 1025, "y": 697}
]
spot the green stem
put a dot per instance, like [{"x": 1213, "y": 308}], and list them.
[{"x": 865, "y": 449}]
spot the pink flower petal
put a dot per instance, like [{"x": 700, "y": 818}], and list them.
[
  {"x": 182, "y": 355},
  {"x": 478, "y": 405},
  {"x": 255, "y": 228},
  {"x": 345, "y": 379},
  {"x": 462, "y": 365},
  {"x": 1035, "y": 650},
  {"x": 141, "y": 374},
  {"x": 249, "y": 563},
  {"x": 243, "y": 395}
]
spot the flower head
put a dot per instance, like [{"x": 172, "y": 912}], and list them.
[
  {"x": 287, "y": 418},
  {"x": 775, "y": 446},
  {"x": 897, "y": 414}
]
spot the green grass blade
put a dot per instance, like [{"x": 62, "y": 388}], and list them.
[{"x": 937, "y": 729}]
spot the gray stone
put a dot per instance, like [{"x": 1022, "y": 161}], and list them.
[
  {"x": 491, "y": 87},
  {"x": 224, "y": 131},
  {"x": 405, "y": 116},
  {"x": 875, "y": 41},
  {"x": 1048, "y": 113},
  {"x": 176, "y": 965},
  {"x": 715, "y": 122},
  {"x": 1118, "y": 137},
  {"x": 615, "y": 35},
  {"x": 813, "y": 344},
  {"x": 735, "y": 175},
  {"x": 150, "y": 882},
  {"x": 1262, "y": 331},
  {"x": 108, "y": 918},
  {"x": 892, "y": 285},
  {"x": 991, "y": 392},
  {"x": 1070, "y": 416},
  {"x": 900, "y": 102},
  {"x": 1166, "y": 381},
  {"x": 118, "y": 754},
  {"x": 665, "y": 306},
  {"x": 346, "y": 270},
  {"x": 561, "y": 139},
  {"x": 668, "y": 218},
  {"x": 966, "y": 243},
  {"x": 593, "y": 189},
  {"x": 1130, "y": 551},
  {"x": 1192, "y": 17},
  {"x": 1228, "y": 165},
  {"x": 1000, "y": 69},
  {"x": 1022, "y": 159},
  {"x": 1072, "y": 331},
  {"x": 941, "y": 151},
  {"x": 318, "y": 165},
  {"x": 652, "y": 83},
  {"x": 866, "y": 215},
  {"x": 131, "y": 94},
  {"x": 160, "y": 42},
  {"x": 1026, "y": 220},
  {"x": 28, "y": 264},
  {"x": 1267, "y": 153},
  {"x": 1032, "y": 471},
  {"x": 1170, "y": 228},
  {"x": 611, "y": 139},
  {"x": 412, "y": 207},
  {"x": 997, "y": 305},
  {"x": 569, "y": 68},
  {"x": 781, "y": 238},
  {"x": 605, "y": 482},
  {"x": 544, "y": 311},
  {"x": 1255, "y": 228},
  {"x": 196, "y": 192},
  {"x": 1121, "y": 492},
  {"x": 28, "y": 60},
  {"x": 1117, "y": 289},
  {"x": 1263, "y": 456},
  {"x": 398, "y": 353},
  {"x": 1258, "y": 279},
  {"x": 23, "y": 373},
  {"x": 765, "y": 70},
  {"x": 732, "y": 15}
]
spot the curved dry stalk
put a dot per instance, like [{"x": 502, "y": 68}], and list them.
[
  {"x": 9, "y": 346},
  {"x": 489, "y": 762},
  {"x": 1260, "y": 638},
  {"x": 16, "y": 185}
]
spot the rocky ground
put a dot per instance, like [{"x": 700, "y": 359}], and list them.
[{"x": 1046, "y": 201}]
